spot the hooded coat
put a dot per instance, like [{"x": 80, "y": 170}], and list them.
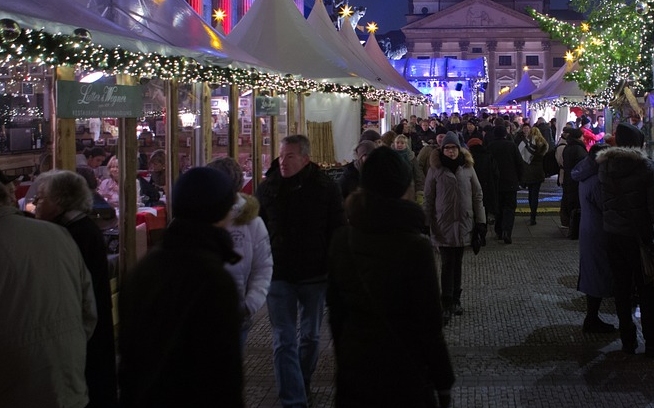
[
  {"x": 385, "y": 310},
  {"x": 250, "y": 238},
  {"x": 627, "y": 178},
  {"x": 453, "y": 201},
  {"x": 595, "y": 276}
]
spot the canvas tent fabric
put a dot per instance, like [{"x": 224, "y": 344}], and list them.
[
  {"x": 277, "y": 34},
  {"x": 388, "y": 73},
  {"x": 355, "y": 58},
  {"x": 524, "y": 88},
  {"x": 110, "y": 27},
  {"x": 557, "y": 87}
]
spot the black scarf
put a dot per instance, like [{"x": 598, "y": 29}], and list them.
[{"x": 452, "y": 164}]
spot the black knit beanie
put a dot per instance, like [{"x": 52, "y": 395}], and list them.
[
  {"x": 203, "y": 194},
  {"x": 385, "y": 173}
]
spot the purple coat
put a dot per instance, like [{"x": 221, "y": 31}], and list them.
[{"x": 595, "y": 277}]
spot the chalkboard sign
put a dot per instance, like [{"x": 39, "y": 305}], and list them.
[{"x": 334, "y": 173}]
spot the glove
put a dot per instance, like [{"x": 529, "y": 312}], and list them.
[
  {"x": 420, "y": 197},
  {"x": 481, "y": 230},
  {"x": 444, "y": 399}
]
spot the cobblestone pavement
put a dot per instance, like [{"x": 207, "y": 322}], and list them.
[{"x": 519, "y": 342}]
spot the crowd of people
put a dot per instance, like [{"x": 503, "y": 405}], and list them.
[{"x": 382, "y": 248}]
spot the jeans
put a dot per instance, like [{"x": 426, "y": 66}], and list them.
[
  {"x": 505, "y": 218},
  {"x": 451, "y": 262},
  {"x": 295, "y": 364},
  {"x": 534, "y": 192}
]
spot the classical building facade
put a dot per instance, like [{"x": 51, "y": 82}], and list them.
[{"x": 501, "y": 31}]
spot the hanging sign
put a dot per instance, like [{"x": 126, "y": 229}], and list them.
[
  {"x": 267, "y": 105},
  {"x": 91, "y": 100}
]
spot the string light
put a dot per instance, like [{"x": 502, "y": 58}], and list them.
[{"x": 52, "y": 50}]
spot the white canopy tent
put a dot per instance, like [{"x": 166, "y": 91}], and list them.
[
  {"x": 170, "y": 28},
  {"x": 524, "y": 88}
]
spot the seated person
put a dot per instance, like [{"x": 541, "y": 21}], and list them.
[{"x": 157, "y": 166}]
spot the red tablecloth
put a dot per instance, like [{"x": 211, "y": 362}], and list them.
[{"x": 151, "y": 221}]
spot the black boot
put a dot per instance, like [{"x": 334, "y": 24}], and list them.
[
  {"x": 628, "y": 337},
  {"x": 592, "y": 322},
  {"x": 506, "y": 236}
]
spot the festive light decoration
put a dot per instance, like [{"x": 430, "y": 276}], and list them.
[
  {"x": 372, "y": 27},
  {"x": 346, "y": 11},
  {"x": 219, "y": 15},
  {"x": 60, "y": 49},
  {"x": 82, "y": 34},
  {"x": 614, "y": 46}
]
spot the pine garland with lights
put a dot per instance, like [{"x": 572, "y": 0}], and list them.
[
  {"x": 613, "y": 46},
  {"x": 58, "y": 49}
]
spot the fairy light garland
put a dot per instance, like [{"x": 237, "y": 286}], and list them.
[{"x": 59, "y": 49}]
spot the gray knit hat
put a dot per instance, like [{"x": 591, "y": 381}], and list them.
[{"x": 451, "y": 138}]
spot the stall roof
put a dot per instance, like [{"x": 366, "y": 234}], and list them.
[
  {"x": 557, "y": 87},
  {"x": 167, "y": 28},
  {"x": 279, "y": 35},
  {"x": 355, "y": 58},
  {"x": 521, "y": 92},
  {"x": 376, "y": 57}
]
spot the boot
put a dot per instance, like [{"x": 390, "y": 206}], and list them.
[
  {"x": 628, "y": 337},
  {"x": 506, "y": 236},
  {"x": 596, "y": 325}
]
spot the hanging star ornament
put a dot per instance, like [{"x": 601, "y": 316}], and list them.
[
  {"x": 372, "y": 27},
  {"x": 219, "y": 15},
  {"x": 346, "y": 11}
]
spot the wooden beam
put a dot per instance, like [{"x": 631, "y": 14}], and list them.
[{"x": 64, "y": 132}]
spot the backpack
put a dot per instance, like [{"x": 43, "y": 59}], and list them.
[{"x": 550, "y": 165}]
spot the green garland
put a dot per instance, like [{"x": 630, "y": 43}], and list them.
[{"x": 59, "y": 49}]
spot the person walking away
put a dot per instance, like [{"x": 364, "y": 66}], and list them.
[
  {"x": 508, "y": 159},
  {"x": 546, "y": 131},
  {"x": 250, "y": 239},
  {"x": 595, "y": 277},
  {"x": 573, "y": 153},
  {"x": 488, "y": 174},
  {"x": 47, "y": 313},
  {"x": 626, "y": 175},
  {"x": 301, "y": 206},
  {"x": 64, "y": 198},
  {"x": 349, "y": 180},
  {"x": 401, "y": 146},
  {"x": 383, "y": 296},
  {"x": 453, "y": 207},
  {"x": 179, "y": 309},
  {"x": 532, "y": 150}
]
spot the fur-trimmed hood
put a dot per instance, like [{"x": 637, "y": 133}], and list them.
[
  {"x": 435, "y": 158},
  {"x": 623, "y": 160},
  {"x": 244, "y": 210}
]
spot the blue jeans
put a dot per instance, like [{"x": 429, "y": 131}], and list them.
[{"x": 295, "y": 364}]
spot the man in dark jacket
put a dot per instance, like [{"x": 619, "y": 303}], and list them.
[
  {"x": 179, "y": 309},
  {"x": 301, "y": 207},
  {"x": 627, "y": 178},
  {"x": 574, "y": 152},
  {"x": 349, "y": 180},
  {"x": 508, "y": 159}
]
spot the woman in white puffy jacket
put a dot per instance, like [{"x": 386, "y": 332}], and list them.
[{"x": 250, "y": 237}]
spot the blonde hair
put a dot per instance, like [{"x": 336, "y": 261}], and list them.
[
  {"x": 537, "y": 136},
  {"x": 406, "y": 140}
]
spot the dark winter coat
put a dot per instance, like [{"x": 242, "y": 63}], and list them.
[
  {"x": 546, "y": 131},
  {"x": 627, "y": 178},
  {"x": 349, "y": 180},
  {"x": 100, "y": 354},
  {"x": 301, "y": 214},
  {"x": 533, "y": 171},
  {"x": 385, "y": 309},
  {"x": 595, "y": 276},
  {"x": 488, "y": 174},
  {"x": 180, "y": 323},
  {"x": 508, "y": 159},
  {"x": 574, "y": 152}
]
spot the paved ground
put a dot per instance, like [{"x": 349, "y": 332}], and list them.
[{"x": 519, "y": 342}]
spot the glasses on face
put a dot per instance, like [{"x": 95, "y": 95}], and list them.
[{"x": 450, "y": 147}]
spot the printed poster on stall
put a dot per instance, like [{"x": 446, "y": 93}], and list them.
[{"x": 371, "y": 115}]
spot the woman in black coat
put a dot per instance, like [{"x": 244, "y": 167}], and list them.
[
  {"x": 574, "y": 152},
  {"x": 383, "y": 297}
]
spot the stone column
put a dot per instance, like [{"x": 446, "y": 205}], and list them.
[
  {"x": 464, "y": 46},
  {"x": 547, "y": 58},
  {"x": 491, "y": 88},
  {"x": 436, "y": 47},
  {"x": 519, "y": 46}
]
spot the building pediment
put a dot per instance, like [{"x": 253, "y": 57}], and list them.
[{"x": 475, "y": 14}]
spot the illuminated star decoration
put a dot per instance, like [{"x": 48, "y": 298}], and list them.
[
  {"x": 569, "y": 56},
  {"x": 372, "y": 27},
  {"x": 585, "y": 27},
  {"x": 219, "y": 15},
  {"x": 346, "y": 11}
]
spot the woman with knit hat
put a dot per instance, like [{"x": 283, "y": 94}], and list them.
[
  {"x": 454, "y": 207},
  {"x": 383, "y": 296}
]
